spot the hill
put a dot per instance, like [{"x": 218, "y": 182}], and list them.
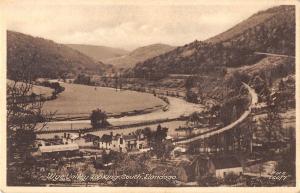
[
  {"x": 45, "y": 58},
  {"x": 139, "y": 55},
  {"x": 98, "y": 53},
  {"x": 271, "y": 31}
]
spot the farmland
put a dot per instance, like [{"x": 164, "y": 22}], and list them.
[
  {"x": 79, "y": 101},
  {"x": 38, "y": 90}
]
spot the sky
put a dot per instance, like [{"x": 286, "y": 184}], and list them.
[{"x": 125, "y": 25}]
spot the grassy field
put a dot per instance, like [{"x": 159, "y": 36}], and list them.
[
  {"x": 47, "y": 92},
  {"x": 80, "y": 100}
]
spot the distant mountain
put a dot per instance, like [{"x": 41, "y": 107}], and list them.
[
  {"x": 98, "y": 53},
  {"x": 272, "y": 31},
  {"x": 139, "y": 55},
  {"x": 46, "y": 58}
]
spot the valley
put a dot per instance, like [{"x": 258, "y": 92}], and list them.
[{"x": 210, "y": 112}]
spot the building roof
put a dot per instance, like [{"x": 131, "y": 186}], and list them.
[
  {"x": 129, "y": 137},
  {"x": 106, "y": 138},
  {"x": 73, "y": 136},
  {"x": 91, "y": 137},
  {"x": 226, "y": 162},
  {"x": 116, "y": 137},
  {"x": 58, "y": 148}
]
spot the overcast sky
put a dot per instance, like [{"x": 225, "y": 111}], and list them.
[{"x": 125, "y": 25}]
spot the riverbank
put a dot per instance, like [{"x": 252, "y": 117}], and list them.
[{"x": 177, "y": 108}]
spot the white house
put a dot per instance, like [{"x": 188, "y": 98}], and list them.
[
  {"x": 87, "y": 140},
  {"x": 122, "y": 143}
]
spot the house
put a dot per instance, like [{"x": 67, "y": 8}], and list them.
[
  {"x": 87, "y": 140},
  {"x": 110, "y": 142},
  {"x": 59, "y": 150},
  {"x": 216, "y": 166},
  {"x": 222, "y": 166},
  {"x": 69, "y": 138},
  {"x": 123, "y": 143},
  {"x": 131, "y": 142}
]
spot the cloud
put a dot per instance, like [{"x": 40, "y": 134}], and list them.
[{"x": 124, "y": 25}]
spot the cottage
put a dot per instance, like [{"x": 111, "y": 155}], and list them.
[
  {"x": 122, "y": 143},
  {"x": 216, "y": 166},
  {"x": 69, "y": 138},
  {"x": 88, "y": 140},
  {"x": 105, "y": 142}
]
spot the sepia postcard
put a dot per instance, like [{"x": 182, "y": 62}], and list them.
[{"x": 149, "y": 96}]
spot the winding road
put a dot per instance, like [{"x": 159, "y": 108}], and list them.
[{"x": 254, "y": 100}]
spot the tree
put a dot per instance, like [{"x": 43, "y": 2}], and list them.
[
  {"x": 234, "y": 114},
  {"x": 148, "y": 133},
  {"x": 116, "y": 82},
  {"x": 235, "y": 81},
  {"x": 271, "y": 124},
  {"x": 189, "y": 82},
  {"x": 232, "y": 108},
  {"x": 288, "y": 160},
  {"x": 83, "y": 79},
  {"x": 191, "y": 97},
  {"x": 215, "y": 110},
  {"x": 160, "y": 147},
  {"x": 23, "y": 114},
  {"x": 194, "y": 118},
  {"x": 98, "y": 118}
]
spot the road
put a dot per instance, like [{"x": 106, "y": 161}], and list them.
[
  {"x": 270, "y": 54},
  {"x": 254, "y": 100}
]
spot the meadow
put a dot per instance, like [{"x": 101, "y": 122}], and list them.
[
  {"x": 79, "y": 101},
  {"x": 45, "y": 91}
]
